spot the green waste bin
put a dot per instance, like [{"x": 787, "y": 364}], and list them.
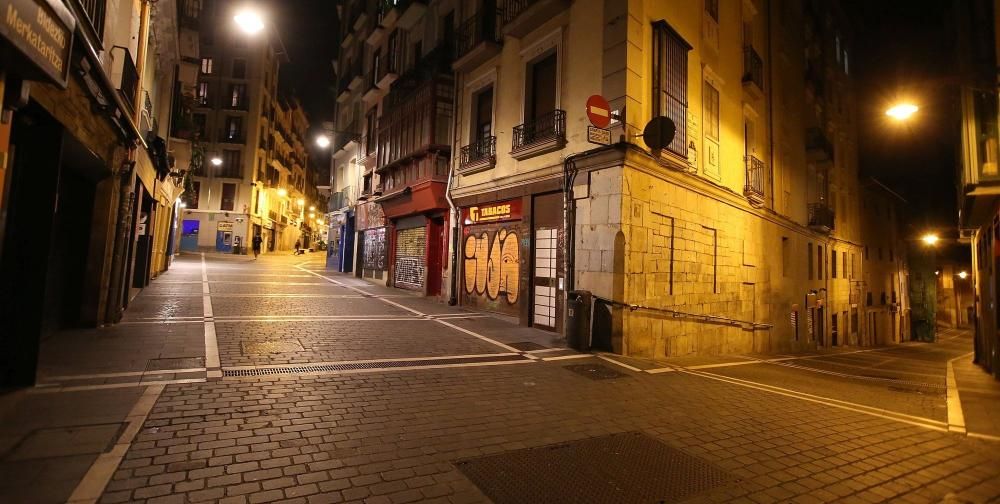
[{"x": 578, "y": 320}]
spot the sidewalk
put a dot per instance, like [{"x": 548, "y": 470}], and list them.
[{"x": 980, "y": 399}]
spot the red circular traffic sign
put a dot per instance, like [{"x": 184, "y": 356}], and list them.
[{"x": 598, "y": 111}]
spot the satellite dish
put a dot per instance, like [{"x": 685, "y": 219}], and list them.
[{"x": 659, "y": 132}]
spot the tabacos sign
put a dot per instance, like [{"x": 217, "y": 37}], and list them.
[
  {"x": 42, "y": 32},
  {"x": 493, "y": 212}
]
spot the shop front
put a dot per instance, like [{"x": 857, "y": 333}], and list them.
[
  {"x": 372, "y": 243},
  {"x": 510, "y": 255},
  {"x": 416, "y": 218}
]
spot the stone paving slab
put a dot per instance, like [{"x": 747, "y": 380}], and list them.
[
  {"x": 394, "y": 437},
  {"x": 144, "y": 307},
  {"x": 330, "y": 341},
  {"x": 318, "y": 287},
  {"x": 277, "y": 307},
  {"x": 980, "y": 395}
]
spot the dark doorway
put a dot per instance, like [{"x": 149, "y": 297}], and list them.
[{"x": 435, "y": 233}]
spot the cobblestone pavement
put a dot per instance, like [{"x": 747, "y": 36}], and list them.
[{"x": 393, "y": 395}]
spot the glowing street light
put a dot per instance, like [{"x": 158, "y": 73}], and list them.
[
  {"x": 301, "y": 202},
  {"x": 312, "y": 216},
  {"x": 312, "y": 208},
  {"x": 930, "y": 239},
  {"x": 250, "y": 21},
  {"x": 323, "y": 141},
  {"x": 282, "y": 192},
  {"x": 216, "y": 161},
  {"x": 320, "y": 222},
  {"x": 902, "y": 111},
  {"x": 963, "y": 274}
]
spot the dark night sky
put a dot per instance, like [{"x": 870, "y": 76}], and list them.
[
  {"x": 905, "y": 49},
  {"x": 309, "y": 30}
]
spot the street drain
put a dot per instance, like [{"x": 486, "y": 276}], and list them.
[
  {"x": 620, "y": 468},
  {"x": 354, "y": 366},
  {"x": 595, "y": 371},
  {"x": 527, "y": 346},
  {"x": 271, "y": 347}
]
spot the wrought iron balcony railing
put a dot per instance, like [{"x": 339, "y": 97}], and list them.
[
  {"x": 513, "y": 8},
  {"x": 753, "y": 68},
  {"x": 128, "y": 81},
  {"x": 548, "y": 126},
  {"x": 95, "y": 11},
  {"x": 821, "y": 216},
  {"x": 753, "y": 189},
  {"x": 476, "y": 30},
  {"x": 481, "y": 152}
]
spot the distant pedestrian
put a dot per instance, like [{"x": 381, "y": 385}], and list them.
[
  {"x": 257, "y": 240},
  {"x": 298, "y": 247}
]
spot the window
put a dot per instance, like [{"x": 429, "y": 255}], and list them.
[
  {"x": 541, "y": 88},
  {"x": 199, "y": 124},
  {"x": 234, "y": 127},
  {"x": 712, "y": 9},
  {"x": 785, "y": 247},
  {"x": 833, "y": 264},
  {"x": 203, "y": 93},
  {"x": 376, "y": 70},
  {"x": 239, "y": 68},
  {"x": 228, "y": 197},
  {"x": 191, "y": 197},
  {"x": 192, "y": 8},
  {"x": 482, "y": 115},
  {"x": 844, "y": 258},
  {"x": 206, "y": 66},
  {"x": 810, "y": 256},
  {"x": 670, "y": 62},
  {"x": 711, "y": 112},
  {"x": 237, "y": 94},
  {"x": 370, "y": 132},
  {"x": 821, "y": 262},
  {"x": 230, "y": 164}
]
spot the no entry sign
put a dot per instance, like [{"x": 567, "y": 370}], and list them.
[{"x": 598, "y": 111}]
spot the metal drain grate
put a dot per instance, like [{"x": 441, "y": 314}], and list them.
[
  {"x": 595, "y": 371},
  {"x": 620, "y": 468},
  {"x": 353, "y": 366},
  {"x": 527, "y": 346}
]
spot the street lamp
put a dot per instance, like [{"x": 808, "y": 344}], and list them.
[
  {"x": 323, "y": 141},
  {"x": 301, "y": 202},
  {"x": 250, "y": 21},
  {"x": 312, "y": 208},
  {"x": 963, "y": 274},
  {"x": 902, "y": 111},
  {"x": 282, "y": 192},
  {"x": 930, "y": 239},
  {"x": 216, "y": 161}
]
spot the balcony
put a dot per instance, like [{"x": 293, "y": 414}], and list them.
[
  {"x": 478, "y": 39},
  {"x": 818, "y": 146},
  {"x": 416, "y": 120},
  {"x": 753, "y": 188},
  {"x": 979, "y": 175},
  {"x": 386, "y": 15},
  {"x": 372, "y": 91},
  {"x": 753, "y": 73},
  {"x": 123, "y": 72},
  {"x": 410, "y": 11},
  {"x": 478, "y": 156},
  {"x": 93, "y": 13},
  {"x": 388, "y": 71},
  {"x": 521, "y": 17},
  {"x": 546, "y": 133},
  {"x": 821, "y": 217},
  {"x": 231, "y": 137}
]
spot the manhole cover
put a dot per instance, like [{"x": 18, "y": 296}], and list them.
[
  {"x": 627, "y": 467},
  {"x": 271, "y": 347},
  {"x": 67, "y": 441},
  {"x": 175, "y": 363},
  {"x": 527, "y": 346},
  {"x": 595, "y": 371}
]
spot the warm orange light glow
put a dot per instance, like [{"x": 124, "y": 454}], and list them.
[
  {"x": 282, "y": 192},
  {"x": 963, "y": 275},
  {"x": 902, "y": 111},
  {"x": 930, "y": 239}
]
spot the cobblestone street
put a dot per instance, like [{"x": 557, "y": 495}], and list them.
[{"x": 235, "y": 380}]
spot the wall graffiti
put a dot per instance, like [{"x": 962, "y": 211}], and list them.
[
  {"x": 375, "y": 249},
  {"x": 492, "y": 267}
]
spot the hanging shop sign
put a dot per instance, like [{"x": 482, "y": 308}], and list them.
[
  {"x": 493, "y": 212},
  {"x": 41, "y": 32}
]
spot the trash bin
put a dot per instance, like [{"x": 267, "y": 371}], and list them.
[{"x": 578, "y": 320}]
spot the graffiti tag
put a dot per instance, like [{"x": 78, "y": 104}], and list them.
[{"x": 492, "y": 268}]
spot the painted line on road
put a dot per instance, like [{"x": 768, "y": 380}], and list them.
[
  {"x": 956, "y": 418},
  {"x": 926, "y": 423},
  {"x": 93, "y": 483},
  {"x": 212, "y": 362},
  {"x": 567, "y": 357},
  {"x": 661, "y": 370},
  {"x": 50, "y": 389},
  {"x": 856, "y": 377},
  {"x": 370, "y": 361},
  {"x": 987, "y": 437},
  {"x": 123, "y": 374},
  {"x": 622, "y": 364},
  {"x": 417, "y": 312}
]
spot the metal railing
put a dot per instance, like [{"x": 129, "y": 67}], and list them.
[
  {"x": 821, "y": 215},
  {"x": 698, "y": 317},
  {"x": 95, "y": 12},
  {"x": 231, "y": 137},
  {"x": 754, "y": 186},
  {"x": 484, "y": 149},
  {"x": 513, "y": 8},
  {"x": 476, "y": 30},
  {"x": 753, "y": 67},
  {"x": 545, "y": 127},
  {"x": 128, "y": 83}
]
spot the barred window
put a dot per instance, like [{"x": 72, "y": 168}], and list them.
[{"x": 670, "y": 61}]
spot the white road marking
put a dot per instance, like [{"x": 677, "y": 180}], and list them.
[
  {"x": 661, "y": 370},
  {"x": 212, "y": 362},
  {"x": 411, "y": 368},
  {"x": 956, "y": 418},
  {"x": 369, "y": 361},
  {"x": 987, "y": 437},
  {"x": 622, "y": 364},
  {"x": 565, "y": 357},
  {"x": 104, "y": 386},
  {"x": 118, "y": 375},
  {"x": 93, "y": 483}
]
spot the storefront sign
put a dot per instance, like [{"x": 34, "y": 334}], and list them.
[
  {"x": 225, "y": 226},
  {"x": 42, "y": 31},
  {"x": 494, "y": 212}
]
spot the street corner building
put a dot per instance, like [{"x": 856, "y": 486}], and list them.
[
  {"x": 89, "y": 180},
  {"x": 690, "y": 169}
]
